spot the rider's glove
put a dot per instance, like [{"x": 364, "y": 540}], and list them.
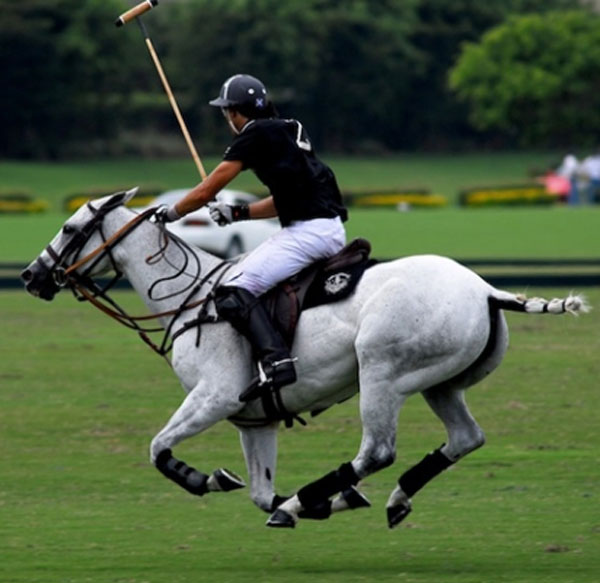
[
  {"x": 225, "y": 214},
  {"x": 166, "y": 214}
]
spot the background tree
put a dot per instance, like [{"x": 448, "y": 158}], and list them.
[
  {"x": 341, "y": 67},
  {"x": 62, "y": 74},
  {"x": 536, "y": 77},
  {"x": 436, "y": 118},
  {"x": 365, "y": 76}
]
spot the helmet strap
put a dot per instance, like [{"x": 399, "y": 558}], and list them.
[{"x": 227, "y": 116}]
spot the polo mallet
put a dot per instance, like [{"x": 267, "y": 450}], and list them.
[{"x": 136, "y": 12}]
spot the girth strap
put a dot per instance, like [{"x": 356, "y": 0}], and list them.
[{"x": 275, "y": 409}]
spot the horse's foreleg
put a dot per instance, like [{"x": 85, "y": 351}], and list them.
[
  {"x": 464, "y": 436},
  {"x": 195, "y": 414},
  {"x": 260, "y": 450}
]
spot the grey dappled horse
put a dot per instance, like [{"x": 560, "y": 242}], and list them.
[{"x": 422, "y": 324}]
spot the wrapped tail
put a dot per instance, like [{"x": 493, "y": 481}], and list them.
[{"x": 573, "y": 304}]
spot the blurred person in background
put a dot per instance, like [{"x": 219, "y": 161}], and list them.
[
  {"x": 590, "y": 168},
  {"x": 569, "y": 169}
]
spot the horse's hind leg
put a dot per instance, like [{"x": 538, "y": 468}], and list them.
[
  {"x": 464, "y": 436},
  {"x": 380, "y": 404}
]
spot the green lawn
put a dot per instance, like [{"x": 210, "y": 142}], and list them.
[
  {"x": 443, "y": 174},
  {"x": 537, "y": 232},
  {"x": 524, "y": 232},
  {"x": 82, "y": 397}
]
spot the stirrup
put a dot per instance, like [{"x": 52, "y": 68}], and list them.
[{"x": 267, "y": 379}]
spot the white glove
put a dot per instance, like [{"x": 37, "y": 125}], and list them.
[
  {"x": 166, "y": 214},
  {"x": 224, "y": 214},
  {"x": 221, "y": 213}
]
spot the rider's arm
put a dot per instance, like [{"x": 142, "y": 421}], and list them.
[
  {"x": 263, "y": 209},
  {"x": 206, "y": 190}
]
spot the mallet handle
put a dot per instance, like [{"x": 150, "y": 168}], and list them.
[
  {"x": 175, "y": 107},
  {"x": 135, "y": 11}
]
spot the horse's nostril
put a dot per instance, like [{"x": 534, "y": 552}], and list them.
[{"x": 26, "y": 275}]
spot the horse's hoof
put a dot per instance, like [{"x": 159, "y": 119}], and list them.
[
  {"x": 281, "y": 519},
  {"x": 355, "y": 499},
  {"x": 397, "y": 514},
  {"x": 228, "y": 480}
]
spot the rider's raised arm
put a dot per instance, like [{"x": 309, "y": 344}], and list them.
[{"x": 206, "y": 190}]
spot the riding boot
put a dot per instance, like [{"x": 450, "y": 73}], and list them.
[{"x": 249, "y": 317}]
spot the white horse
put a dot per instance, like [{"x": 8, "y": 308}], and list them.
[{"x": 422, "y": 324}]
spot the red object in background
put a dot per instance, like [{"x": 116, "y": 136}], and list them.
[{"x": 556, "y": 184}]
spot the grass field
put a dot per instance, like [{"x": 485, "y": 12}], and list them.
[
  {"x": 533, "y": 232},
  {"x": 82, "y": 397},
  {"x": 548, "y": 232}
]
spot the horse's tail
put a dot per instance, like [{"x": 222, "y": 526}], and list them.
[{"x": 573, "y": 304}]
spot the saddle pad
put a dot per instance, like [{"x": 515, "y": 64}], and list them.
[
  {"x": 329, "y": 287},
  {"x": 323, "y": 283}
]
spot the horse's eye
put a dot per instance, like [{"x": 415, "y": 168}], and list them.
[{"x": 68, "y": 229}]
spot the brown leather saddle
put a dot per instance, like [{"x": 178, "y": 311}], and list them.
[{"x": 324, "y": 282}]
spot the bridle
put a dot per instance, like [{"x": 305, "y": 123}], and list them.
[
  {"x": 85, "y": 288},
  {"x": 61, "y": 274}
]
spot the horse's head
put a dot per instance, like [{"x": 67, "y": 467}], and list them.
[{"x": 79, "y": 236}]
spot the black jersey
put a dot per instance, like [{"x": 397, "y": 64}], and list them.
[{"x": 281, "y": 155}]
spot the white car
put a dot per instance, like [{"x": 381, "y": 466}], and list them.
[{"x": 199, "y": 229}]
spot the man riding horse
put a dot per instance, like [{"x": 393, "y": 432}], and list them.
[{"x": 304, "y": 195}]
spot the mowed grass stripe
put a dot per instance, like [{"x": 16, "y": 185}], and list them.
[
  {"x": 493, "y": 233},
  {"x": 82, "y": 397}
]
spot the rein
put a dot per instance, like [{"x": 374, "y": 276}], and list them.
[{"x": 86, "y": 289}]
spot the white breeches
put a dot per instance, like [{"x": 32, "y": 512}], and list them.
[{"x": 288, "y": 252}]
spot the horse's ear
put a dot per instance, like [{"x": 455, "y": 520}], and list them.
[
  {"x": 121, "y": 198},
  {"x": 129, "y": 194}
]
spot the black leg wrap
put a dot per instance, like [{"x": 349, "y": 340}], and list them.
[
  {"x": 319, "y": 512},
  {"x": 277, "y": 501},
  {"x": 186, "y": 477},
  {"x": 317, "y": 492},
  {"x": 428, "y": 468}
]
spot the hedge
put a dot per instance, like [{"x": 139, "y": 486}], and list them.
[
  {"x": 511, "y": 195},
  {"x": 21, "y": 202},
  {"x": 395, "y": 198},
  {"x": 145, "y": 196}
]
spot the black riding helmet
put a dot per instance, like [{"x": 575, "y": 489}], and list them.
[{"x": 246, "y": 94}]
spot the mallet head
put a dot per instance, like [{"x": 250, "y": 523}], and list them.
[{"x": 135, "y": 12}]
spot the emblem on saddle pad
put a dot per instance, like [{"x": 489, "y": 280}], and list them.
[{"x": 336, "y": 283}]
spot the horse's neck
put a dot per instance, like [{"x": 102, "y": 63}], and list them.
[{"x": 164, "y": 277}]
